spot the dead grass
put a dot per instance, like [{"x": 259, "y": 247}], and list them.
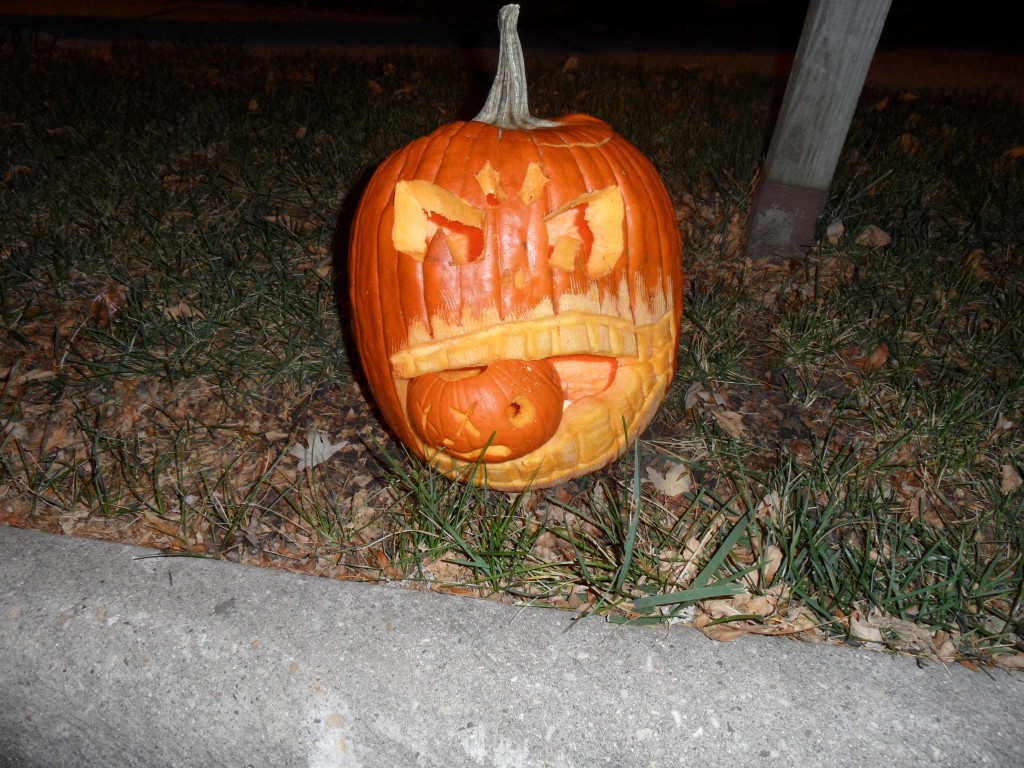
[{"x": 841, "y": 450}]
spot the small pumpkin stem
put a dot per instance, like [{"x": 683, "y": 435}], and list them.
[{"x": 507, "y": 104}]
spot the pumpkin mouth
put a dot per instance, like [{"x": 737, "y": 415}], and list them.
[
  {"x": 584, "y": 375},
  {"x": 611, "y": 378},
  {"x": 600, "y": 412}
]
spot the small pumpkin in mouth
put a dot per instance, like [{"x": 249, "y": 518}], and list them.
[
  {"x": 501, "y": 411},
  {"x": 516, "y": 290}
]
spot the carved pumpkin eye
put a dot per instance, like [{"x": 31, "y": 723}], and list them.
[
  {"x": 464, "y": 242},
  {"x": 425, "y": 211},
  {"x": 591, "y": 225}
]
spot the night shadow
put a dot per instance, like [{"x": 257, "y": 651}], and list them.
[{"x": 341, "y": 283}]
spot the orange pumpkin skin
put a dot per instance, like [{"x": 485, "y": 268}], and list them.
[
  {"x": 500, "y": 412},
  {"x": 481, "y": 243}
]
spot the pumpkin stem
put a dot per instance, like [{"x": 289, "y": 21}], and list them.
[{"x": 507, "y": 104}]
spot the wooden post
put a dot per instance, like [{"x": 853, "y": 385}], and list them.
[{"x": 832, "y": 60}]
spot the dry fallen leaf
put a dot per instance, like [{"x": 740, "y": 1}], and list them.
[
  {"x": 722, "y": 633},
  {"x": 769, "y": 605},
  {"x": 11, "y": 173},
  {"x": 180, "y": 184},
  {"x": 908, "y": 635},
  {"x": 1003, "y": 424},
  {"x": 317, "y": 450},
  {"x": 898, "y": 634},
  {"x": 1010, "y": 660},
  {"x": 14, "y": 430},
  {"x": 947, "y": 651},
  {"x": 441, "y": 571},
  {"x": 695, "y": 394},
  {"x": 170, "y": 217},
  {"x": 107, "y": 302},
  {"x": 675, "y": 481},
  {"x": 921, "y": 507},
  {"x": 165, "y": 527},
  {"x": 878, "y": 357},
  {"x": 873, "y": 237},
  {"x": 976, "y": 260},
  {"x": 55, "y": 436},
  {"x": 1009, "y": 479},
  {"x": 835, "y": 232},
  {"x": 865, "y": 631},
  {"x": 736, "y": 233},
  {"x": 770, "y": 506},
  {"x": 183, "y": 311},
  {"x": 680, "y": 568},
  {"x": 772, "y": 562},
  {"x": 37, "y": 374},
  {"x": 731, "y": 423},
  {"x": 910, "y": 143},
  {"x": 293, "y": 223},
  {"x": 869, "y": 363},
  {"x": 698, "y": 394}
]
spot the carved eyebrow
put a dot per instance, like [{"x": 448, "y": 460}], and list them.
[
  {"x": 490, "y": 183},
  {"x": 533, "y": 183}
]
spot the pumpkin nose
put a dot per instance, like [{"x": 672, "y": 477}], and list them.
[{"x": 516, "y": 243}]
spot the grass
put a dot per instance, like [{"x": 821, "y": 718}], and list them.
[{"x": 844, "y": 430}]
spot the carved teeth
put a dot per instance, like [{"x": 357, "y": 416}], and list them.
[{"x": 565, "y": 334}]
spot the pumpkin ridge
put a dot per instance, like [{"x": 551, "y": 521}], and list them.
[
  {"x": 378, "y": 277},
  {"x": 630, "y": 159},
  {"x": 462, "y": 145},
  {"x": 420, "y": 153},
  {"x": 637, "y": 255},
  {"x": 467, "y": 141}
]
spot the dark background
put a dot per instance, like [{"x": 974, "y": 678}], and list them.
[{"x": 567, "y": 25}]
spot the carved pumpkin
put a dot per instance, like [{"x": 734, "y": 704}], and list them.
[{"x": 516, "y": 290}]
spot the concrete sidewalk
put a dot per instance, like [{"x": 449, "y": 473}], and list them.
[{"x": 113, "y": 657}]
